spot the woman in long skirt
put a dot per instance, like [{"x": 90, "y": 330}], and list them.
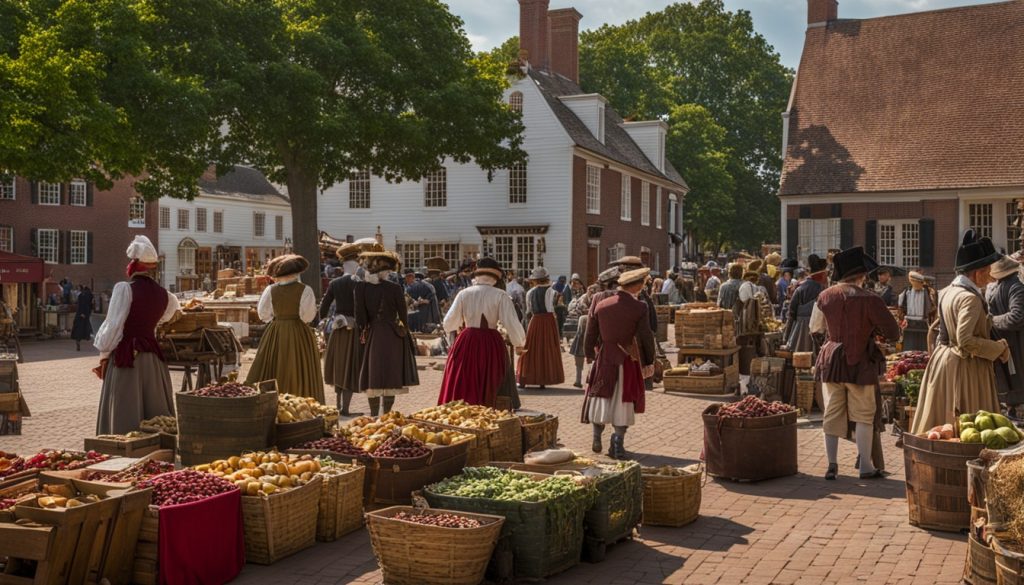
[
  {"x": 82, "y": 328},
  {"x": 579, "y": 308},
  {"x": 288, "y": 351},
  {"x": 137, "y": 384},
  {"x": 541, "y": 361}
]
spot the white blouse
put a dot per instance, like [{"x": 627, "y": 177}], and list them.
[
  {"x": 112, "y": 329},
  {"x": 485, "y": 300},
  {"x": 307, "y": 305}
]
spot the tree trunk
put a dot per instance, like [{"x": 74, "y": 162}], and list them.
[{"x": 302, "y": 188}]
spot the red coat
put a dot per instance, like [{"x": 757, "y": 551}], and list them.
[{"x": 617, "y": 331}]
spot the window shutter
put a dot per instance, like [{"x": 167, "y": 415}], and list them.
[
  {"x": 926, "y": 242},
  {"x": 845, "y": 234},
  {"x": 871, "y": 238},
  {"x": 88, "y": 247},
  {"x": 805, "y": 212},
  {"x": 33, "y": 236},
  {"x": 64, "y": 251},
  {"x": 34, "y": 189},
  {"x": 65, "y": 194},
  {"x": 837, "y": 210},
  {"x": 792, "y": 237},
  {"x": 88, "y": 194}
]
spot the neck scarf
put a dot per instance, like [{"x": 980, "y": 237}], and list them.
[{"x": 135, "y": 267}]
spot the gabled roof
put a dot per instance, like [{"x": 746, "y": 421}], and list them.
[
  {"x": 933, "y": 100},
  {"x": 618, "y": 145},
  {"x": 241, "y": 183}
]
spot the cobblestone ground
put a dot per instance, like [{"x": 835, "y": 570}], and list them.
[{"x": 799, "y": 529}]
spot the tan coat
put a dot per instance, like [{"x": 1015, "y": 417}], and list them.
[{"x": 960, "y": 377}]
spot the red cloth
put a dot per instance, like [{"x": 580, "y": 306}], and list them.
[
  {"x": 541, "y": 362},
  {"x": 149, "y": 301},
  {"x": 476, "y": 366},
  {"x": 633, "y": 389},
  {"x": 136, "y": 266},
  {"x": 202, "y": 543}
]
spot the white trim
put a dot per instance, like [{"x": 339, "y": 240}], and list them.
[
  {"x": 583, "y": 97},
  {"x": 594, "y": 158},
  {"x": 84, "y": 248},
  {"x": 85, "y": 193}
]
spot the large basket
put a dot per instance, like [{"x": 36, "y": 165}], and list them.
[
  {"x": 280, "y": 524},
  {"x": 980, "y": 567},
  {"x": 341, "y": 504},
  {"x": 696, "y": 384},
  {"x": 540, "y": 435},
  {"x": 750, "y": 449},
  {"x": 412, "y": 554},
  {"x": 1009, "y": 563},
  {"x": 805, "y": 394},
  {"x": 217, "y": 428},
  {"x": 671, "y": 500},
  {"x": 937, "y": 482},
  {"x": 295, "y": 433}
]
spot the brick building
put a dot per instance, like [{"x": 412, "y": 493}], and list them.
[{"x": 904, "y": 131}]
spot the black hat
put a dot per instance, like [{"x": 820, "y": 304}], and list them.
[
  {"x": 467, "y": 265},
  {"x": 816, "y": 263},
  {"x": 408, "y": 271},
  {"x": 975, "y": 253},
  {"x": 851, "y": 262},
  {"x": 789, "y": 265},
  {"x": 489, "y": 267}
]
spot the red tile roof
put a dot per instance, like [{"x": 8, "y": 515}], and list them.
[{"x": 933, "y": 100}]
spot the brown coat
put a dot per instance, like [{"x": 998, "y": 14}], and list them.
[
  {"x": 618, "y": 330},
  {"x": 853, "y": 316}
]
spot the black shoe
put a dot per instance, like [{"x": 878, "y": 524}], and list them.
[
  {"x": 577, "y": 385},
  {"x": 876, "y": 474},
  {"x": 833, "y": 472},
  {"x": 349, "y": 413},
  {"x": 596, "y": 446}
]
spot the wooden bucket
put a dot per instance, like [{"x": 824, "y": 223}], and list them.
[
  {"x": 937, "y": 482},
  {"x": 980, "y": 568},
  {"x": 1009, "y": 564},
  {"x": 217, "y": 428}
]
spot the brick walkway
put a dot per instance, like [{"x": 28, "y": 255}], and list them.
[{"x": 799, "y": 529}]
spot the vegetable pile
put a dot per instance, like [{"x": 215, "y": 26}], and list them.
[
  {"x": 401, "y": 447},
  {"x": 299, "y": 408},
  {"x": 7, "y": 503},
  {"x": 993, "y": 429},
  {"x": 63, "y": 496},
  {"x": 140, "y": 471},
  {"x": 498, "y": 484},
  {"x": 264, "y": 473},
  {"x": 753, "y": 407},
  {"x": 184, "y": 487},
  {"x": 336, "y": 445},
  {"x": 460, "y": 414},
  {"x": 228, "y": 390},
  {"x": 439, "y": 520},
  {"x": 53, "y": 460},
  {"x": 369, "y": 433},
  {"x": 162, "y": 423},
  {"x": 905, "y": 362}
]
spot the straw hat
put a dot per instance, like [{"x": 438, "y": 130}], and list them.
[
  {"x": 1006, "y": 266},
  {"x": 634, "y": 276},
  {"x": 629, "y": 261},
  {"x": 379, "y": 261}
]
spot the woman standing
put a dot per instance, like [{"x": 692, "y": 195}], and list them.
[
  {"x": 288, "y": 351},
  {"x": 389, "y": 363},
  {"x": 82, "y": 329},
  {"x": 137, "y": 385},
  {"x": 541, "y": 362},
  {"x": 579, "y": 308},
  {"x": 344, "y": 354},
  {"x": 798, "y": 324}
]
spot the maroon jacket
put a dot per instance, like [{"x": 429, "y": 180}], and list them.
[
  {"x": 149, "y": 301},
  {"x": 854, "y": 317},
  {"x": 617, "y": 331}
]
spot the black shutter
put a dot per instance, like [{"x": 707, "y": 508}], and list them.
[
  {"x": 34, "y": 190},
  {"x": 88, "y": 247},
  {"x": 805, "y": 212},
  {"x": 871, "y": 238},
  {"x": 837, "y": 210},
  {"x": 88, "y": 195},
  {"x": 33, "y": 236},
  {"x": 64, "y": 251},
  {"x": 926, "y": 253},
  {"x": 792, "y": 237},
  {"x": 65, "y": 194},
  {"x": 845, "y": 234}
]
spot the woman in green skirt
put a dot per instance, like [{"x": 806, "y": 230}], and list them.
[{"x": 288, "y": 350}]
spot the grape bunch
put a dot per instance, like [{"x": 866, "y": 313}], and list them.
[{"x": 401, "y": 447}]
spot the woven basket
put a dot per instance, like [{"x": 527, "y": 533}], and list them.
[
  {"x": 341, "y": 504},
  {"x": 540, "y": 435},
  {"x": 696, "y": 384},
  {"x": 671, "y": 500},
  {"x": 412, "y": 554},
  {"x": 281, "y": 524},
  {"x": 805, "y": 394}
]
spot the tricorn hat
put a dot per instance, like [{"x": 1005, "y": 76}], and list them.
[
  {"x": 975, "y": 252},
  {"x": 1006, "y": 266},
  {"x": 286, "y": 265},
  {"x": 816, "y": 264},
  {"x": 489, "y": 267},
  {"x": 851, "y": 262}
]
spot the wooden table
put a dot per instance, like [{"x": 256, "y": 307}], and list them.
[{"x": 204, "y": 352}]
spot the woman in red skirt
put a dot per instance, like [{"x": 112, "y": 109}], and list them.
[
  {"x": 541, "y": 362},
  {"x": 477, "y": 362}
]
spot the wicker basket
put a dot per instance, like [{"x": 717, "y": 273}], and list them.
[
  {"x": 671, "y": 500},
  {"x": 696, "y": 384},
  {"x": 341, "y": 504},
  {"x": 412, "y": 554},
  {"x": 802, "y": 360},
  {"x": 805, "y": 394},
  {"x": 540, "y": 435},
  {"x": 281, "y": 524}
]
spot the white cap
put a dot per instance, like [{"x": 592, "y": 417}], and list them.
[{"x": 142, "y": 249}]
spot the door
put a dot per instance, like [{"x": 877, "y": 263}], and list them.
[
  {"x": 204, "y": 263},
  {"x": 592, "y": 263}
]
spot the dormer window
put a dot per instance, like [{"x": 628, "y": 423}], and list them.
[{"x": 515, "y": 101}]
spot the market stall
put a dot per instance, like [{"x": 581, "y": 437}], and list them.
[
  {"x": 708, "y": 355},
  {"x": 21, "y": 280}
]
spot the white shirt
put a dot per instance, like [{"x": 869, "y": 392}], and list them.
[
  {"x": 915, "y": 303},
  {"x": 747, "y": 290},
  {"x": 307, "y": 305},
  {"x": 712, "y": 284},
  {"x": 668, "y": 286},
  {"x": 112, "y": 329},
  {"x": 493, "y": 304}
]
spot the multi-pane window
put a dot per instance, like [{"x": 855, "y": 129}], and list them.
[
  {"x": 657, "y": 209},
  {"x": 6, "y": 186},
  {"x": 627, "y": 199},
  {"x": 593, "y": 189},
  {"x": 617, "y": 251},
  {"x": 183, "y": 219},
  {"x": 899, "y": 243},
  {"x": 414, "y": 254},
  {"x": 526, "y": 256},
  {"x": 48, "y": 245},
  {"x": 77, "y": 195},
  {"x": 887, "y": 244},
  {"x": 516, "y": 252},
  {"x": 818, "y": 236},
  {"x": 79, "y": 246},
  {"x": 218, "y": 222},
  {"x": 504, "y": 251},
  {"x": 515, "y": 101},
  {"x": 645, "y": 203},
  {"x": 435, "y": 188},
  {"x": 278, "y": 227},
  {"x": 517, "y": 184},
  {"x": 165, "y": 218},
  {"x": 137, "y": 212},
  {"x": 411, "y": 254},
  {"x": 1013, "y": 216},
  {"x": 359, "y": 190},
  {"x": 980, "y": 218},
  {"x": 187, "y": 257},
  {"x": 6, "y": 238},
  {"x": 259, "y": 224},
  {"x": 200, "y": 219},
  {"x": 49, "y": 193}
]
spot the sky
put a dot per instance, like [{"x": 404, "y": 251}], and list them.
[{"x": 782, "y": 22}]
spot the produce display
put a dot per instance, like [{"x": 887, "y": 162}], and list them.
[
  {"x": 903, "y": 363},
  {"x": 460, "y": 414},
  {"x": 62, "y": 496},
  {"x": 445, "y": 437},
  {"x": 753, "y": 407},
  {"x": 264, "y": 473},
  {"x": 298, "y": 408},
  {"x": 368, "y": 433},
  {"x": 993, "y": 429},
  {"x": 53, "y": 460},
  {"x": 941, "y": 433},
  {"x": 140, "y": 471},
  {"x": 439, "y": 520},
  {"x": 186, "y": 486},
  {"x": 162, "y": 423},
  {"x": 338, "y": 445},
  {"x": 911, "y": 384},
  {"x": 498, "y": 484},
  {"x": 7, "y": 503},
  {"x": 125, "y": 437},
  {"x": 329, "y": 466},
  {"x": 228, "y": 390},
  {"x": 401, "y": 447}
]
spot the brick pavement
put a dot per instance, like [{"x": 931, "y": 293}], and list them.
[{"x": 795, "y": 530}]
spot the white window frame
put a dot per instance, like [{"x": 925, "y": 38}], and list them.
[
  {"x": 187, "y": 249},
  {"x": 517, "y": 185},
  {"x": 7, "y": 238},
  {"x": 79, "y": 253},
  {"x": 204, "y": 215},
  {"x": 673, "y": 212},
  {"x": 626, "y": 212},
  {"x": 135, "y": 205},
  {"x": 165, "y": 214},
  {"x": 515, "y": 252},
  {"x": 899, "y": 243},
  {"x": 259, "y": 224},
  {"x": 1012, "y": 233},
  {"x": 657, "y": 209},
  {"x": 359, "y": 195},
  {"x": 515, "y": 101},
  {"x": 818, "y": 236},
  {"x": 414, "y": 254},
  {"x": 54, "y": 249},
  {"x": 8, "y": 187},
  {"x": 593, "y": 189},
  {"x": 615, "y": 252},
  {"x": 980, "y": 217},
  {"x": 218, "y": 226},
  {"x": 78, "y": 193},
  {"x": 183, "y": 226},
  {"x": 48, "y": 190},
  {"x": 435, "y": 189},
  {"x": 645, "y": 203}
]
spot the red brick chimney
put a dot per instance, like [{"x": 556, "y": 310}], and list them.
[
  {"x": 564, "y": 51},
  {"x": 533, "y": 32},
  {"x": 820, "y": 12}
]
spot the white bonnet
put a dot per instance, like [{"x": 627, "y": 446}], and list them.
[{"x": 142, "y": 249}]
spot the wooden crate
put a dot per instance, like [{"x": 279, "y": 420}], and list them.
[
  {"x": 144, "y": 566},
  {"x": 118, "y": 559},
  {"x": 133, "y": 447},
  {"x": 696, "y": 384}
]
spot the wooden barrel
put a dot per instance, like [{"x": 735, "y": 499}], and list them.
[
  {"x": 1009, "y": 564},
  {"x": 980, "y": 568},
  {"x": 288, "y": 435},
  {"x": 217, "y": 428},
  {"x": 937, "y": 482}
]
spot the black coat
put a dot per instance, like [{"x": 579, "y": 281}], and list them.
[
  {"x": 81, "y": 330},
  {"x": 341, "y": 292},
  {"x": 1006, "y": 305}
]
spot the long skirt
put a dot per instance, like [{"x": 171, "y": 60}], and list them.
[
  {"x": 508, "y": 387},
  {"x": 799, "y": 338},
  {"x": 952, "y": 385},
  {"x": 613, "y": 411},
  {"x": 343, "y": 359},
  {"x": 389, "y": 362},
  {"x": 477, "y": 364},
  {"x": 541, "y": 364},
  {"x": 81, "y": 330},
  {"x": 131, "y": 395},
  {"x": 289, "y": 354},
  {"x": 577, "y": 347},
  {"x": 915, "y": 336}
]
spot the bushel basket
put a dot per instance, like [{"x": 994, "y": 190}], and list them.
[
  {"x": 1009, "y": 562},
  {"x": 280, "y": 524},
  {"x": 340, "y": 509},
  {"x": 750, "y": 449},
  {"x": 671, "y": 500},
  {"x": 212, "y": 428},
  {"x": 937, "y": 482}
]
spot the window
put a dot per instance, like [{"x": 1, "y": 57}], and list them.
[
  {"x": 515, "y": 101},
  {"x": 136, "y": 212},
  {"x": 259, "y": 224},
  {"x": 615, "y": 252},
  {"x": 6, "y": 238},
  {"x": 593, "y": 189},
  {"x": 627, "y": 199},
  {"x": 79, "y": 247},
  {"x": 49, "y": 194},
  {"x": 435, "y": 190},
  {"x": 165, "y": 218},
  {"x": 898, "y": 243},
  {"x": 183, "y": 220},
  {"x": 980, "y": 218},
  {"x": 517, "y": 184},
  {"x": 516, "y": 252},
  {"x": 1013, "y": 217},
  {"x": 200, "y": 219},
  {"x": 6, "y": 187},
  {"x": 818, "y": 236},
  {"x": 278, "y": 227},
  {"x": 414, "y": 254},
  {"x": 645, "y": 203},
  {"x": 187, "y": 256},
  {"x": 218, "y": 222},
  {"x": 48, "y": 245},
  {"x": 78, "y": 194},
  {"x": 657, "y": 209},
  {"x": 359, "y": 190},
  {"x": 411, "y": 254}
]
